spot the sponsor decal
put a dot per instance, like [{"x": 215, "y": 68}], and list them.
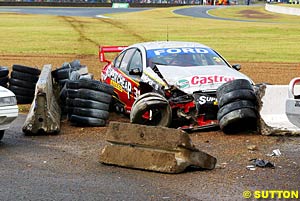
[
  {"x": 204, "y": 99},
  {"x": 183, "y": 84},
  {"x": 183, "y": 50},
  {"x": 209, "y": 79},
  {"x": 119, "y": 79}
]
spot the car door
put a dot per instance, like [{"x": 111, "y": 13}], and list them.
[{"x": 129, "y": 68}]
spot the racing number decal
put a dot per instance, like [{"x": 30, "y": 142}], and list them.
[{"x": 122, "y": 84}]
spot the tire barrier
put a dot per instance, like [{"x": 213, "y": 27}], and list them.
[
  {"x": 152, "y": 148},
  {"x": 44, "y": 114},
  {"x": 238, "y": 107},
  {"x": 4, "y": 76},
  {"x": 64, "y": 73},
  {"x": 87, "y": 102},
  {"x": 22, "y": 82},
  {"x": 69, "y": 71}
]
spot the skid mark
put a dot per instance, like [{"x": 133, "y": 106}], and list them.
[
  {"x": 123, "y": 27},
  {"x": 79, "y": 28}
]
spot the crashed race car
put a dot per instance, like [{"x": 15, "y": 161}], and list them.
[{"x": 168, "y": 83}]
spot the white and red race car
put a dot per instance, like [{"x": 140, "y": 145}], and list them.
[{"x": 168, "y": 83}]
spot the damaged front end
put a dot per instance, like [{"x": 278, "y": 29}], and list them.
[
  {"x": 190, "y": 112},
  {"x": 194, "y": 112}
]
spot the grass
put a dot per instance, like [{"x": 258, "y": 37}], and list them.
[{"x": 275, "y": 41}]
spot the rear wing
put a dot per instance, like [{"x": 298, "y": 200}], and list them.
[{"x": 108, "y": 49}]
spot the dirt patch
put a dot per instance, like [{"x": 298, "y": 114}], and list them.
[{"x": 255, "y": 14}]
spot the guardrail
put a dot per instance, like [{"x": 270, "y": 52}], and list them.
[{"x": 282, "y": 9}]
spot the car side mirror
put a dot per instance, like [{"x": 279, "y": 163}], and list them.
[
  {"x": 236, "y": 67},
  {"x": 135, "y": 71}
]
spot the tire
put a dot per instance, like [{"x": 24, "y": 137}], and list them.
[
  {"x": 3, "y": 71},
  {"x": 89, "y": 95},
  {"x": 22, "y": 83},
  {"x": 62, "y": 82},
  {"x": 240, "y": 94},
  {"x": 77, "y": 102},
  {"x": 235, "y": 106},
  {"x": 26, "y": 69},
  {"x": 61, "y": 74},
  {"x": 24, "y": 76},
  {"x": 232, "y": 86},
  {"x": 75, "y": 64},
  {"x": 238, "y": 121},
  {"x": 87, "y": 121},
  {"x": 151, "y": 103},
  {"x": 88, "y": 112},
  {"x": 1, "y": 134},
  {"x": 91, "y": 84},
  {"x": 4, "y": 80},
  {"x": 21, "y": 91},
  {"x": 24, "y": 99}
]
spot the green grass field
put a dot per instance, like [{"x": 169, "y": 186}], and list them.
[{"x": 272, "y": 39}]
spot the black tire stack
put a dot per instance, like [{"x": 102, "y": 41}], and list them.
[
  {"x": 88, "y": 102},
  {"x": 237, "y": 107},
  {"x": 62, "y": 75},
  {"x": 4, "y": 76},
  {"x": 22, "y": 82}
]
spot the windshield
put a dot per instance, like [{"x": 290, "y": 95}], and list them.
[{"x": 194, "y": 56}]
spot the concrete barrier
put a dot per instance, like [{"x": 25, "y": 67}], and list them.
[
  {"x": 44, "y": 114},
  {"x": 282, "y": 9},
  {"x": 152, "y": 148},
  {"x": 273, "y": 118}
]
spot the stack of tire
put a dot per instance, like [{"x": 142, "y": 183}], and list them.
[
  {"x": 238, "y": 107},
  {"x": 62, "y": 75},
  {"x": 88, "y": 102},
  {"x": 22, "y": 82},
  {"x": 4, "y": 76}
]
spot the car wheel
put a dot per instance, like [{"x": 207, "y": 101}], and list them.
[
  {"x": 235, "y": 106},
  {"x": 89, "y": 112},
  {"x": 151, "y": 109},
  {"x": 1, "y": 134},
  {"x": 237, "y": 121},
  {"x": 241, "y": 94},
  {"x": 3, "y": 71},
  {"x": 87, "y": 121},
  {"x": 232, "y": 86},
  {"x": 78, "y": 102},
  {"x": 26, "y": 69},
  {"x": 24, "y": 76},
  {"x": 91, "y": 84},
  {"x": 22, "y": 83}
]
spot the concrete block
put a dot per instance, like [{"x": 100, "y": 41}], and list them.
[
  {"x": 44, "y": 113},
  {"x": 272, "y": 111},
  {"x": 152, "y": 148}
]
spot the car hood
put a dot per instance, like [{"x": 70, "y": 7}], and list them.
[
  {"x": 199, "y": 78},
  {"x": 5, "y": 92}
]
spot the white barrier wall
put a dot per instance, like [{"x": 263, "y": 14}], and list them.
[{"x": 282, "y": 9}]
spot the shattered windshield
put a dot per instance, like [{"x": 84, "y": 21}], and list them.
[{"x": 187, "y": 56}]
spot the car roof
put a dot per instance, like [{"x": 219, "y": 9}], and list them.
[{"x": 168, "y": 44}]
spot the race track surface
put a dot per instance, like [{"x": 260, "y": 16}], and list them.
[{"x": 75, "y": 12}]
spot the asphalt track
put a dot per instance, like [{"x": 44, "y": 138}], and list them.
[
  {"x": 75, "y": 12},
  {"x": 195, "y": 11}
]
